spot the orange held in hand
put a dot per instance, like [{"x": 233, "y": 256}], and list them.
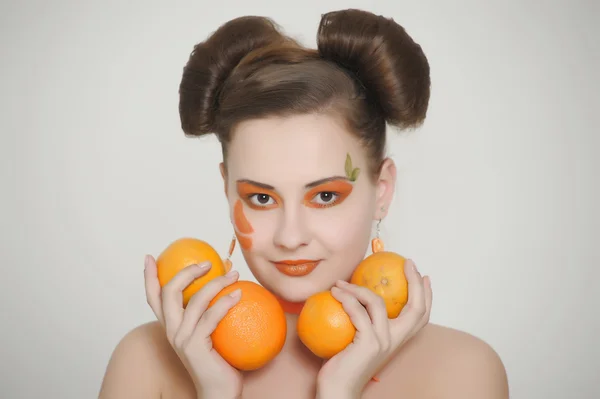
[
  {"x": 253, "y": 332},
  {"x": 323, "y": 325},
  {"x": 383, "y": 273},
  {"x": 185, "y": 252}
]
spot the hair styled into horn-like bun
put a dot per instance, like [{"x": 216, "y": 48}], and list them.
[{"x": 366, "y": 69}]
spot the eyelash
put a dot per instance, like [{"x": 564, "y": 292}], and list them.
[
  {"x": 334, "y": 201},
  {"x": 325, "y": 205},
  {"x": 250, "y": 196}
]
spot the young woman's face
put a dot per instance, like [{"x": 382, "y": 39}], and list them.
[{"x": 302, "y": 214}]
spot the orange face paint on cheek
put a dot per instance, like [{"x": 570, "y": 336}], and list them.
[
  {"x": 242, "y": 226},
  {"x": 241, "y": 223},
  {"x": 339, "y": 187},
  {"x": 245, "y": 242}
]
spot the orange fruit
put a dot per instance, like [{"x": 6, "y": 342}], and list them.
[
  {"x": 185, "y": 252},
  {"x": 383, "y": 273},
  {"x": 253, "y": 332},
  {"x": 323, "y": 325}
]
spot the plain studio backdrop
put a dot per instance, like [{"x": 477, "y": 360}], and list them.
[{"x": 497, "y": 193}]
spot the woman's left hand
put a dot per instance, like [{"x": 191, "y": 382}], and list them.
[{"x": 377, "y": 338}]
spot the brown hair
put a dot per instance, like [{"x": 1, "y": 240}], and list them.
[{"x": 366, "y": 69}]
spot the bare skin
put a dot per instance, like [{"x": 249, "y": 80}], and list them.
[
  {"x": 279, "y": 212},
  {"x": 438, "y": 362}
]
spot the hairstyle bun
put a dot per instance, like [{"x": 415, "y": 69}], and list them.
[
  {"x": 211, "y": 63},
  {"x": 384, "y": 59}
]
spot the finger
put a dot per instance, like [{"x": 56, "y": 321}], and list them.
[
  {"x": 200, "y": 301},
  {"x": 172, "y": 295},
  {"x": 153, "y": 288},
  {"x": 375, "y": 308},
  {"x": 358, "y": 314},
  {"x": 211, "y": 318},
  {"x": 414, "y": 309}
]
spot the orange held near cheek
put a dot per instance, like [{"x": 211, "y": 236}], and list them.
[{"x": 241, "y": 223}]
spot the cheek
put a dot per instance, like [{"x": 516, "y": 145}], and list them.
[
  {"x": 245, "y": 242},
  {"x": 345, "y": 236},
  {"x": 347, "y": 233},
  {"x": 243, "y": 228},
  {"x": 253, "y": 229},
  {"x": 242, "y": 225},
  {"x": 264, "y": 224},
  {"x": 348, "y": 226}
]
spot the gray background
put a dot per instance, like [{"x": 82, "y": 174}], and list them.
[{"x": 497, "y": 194}]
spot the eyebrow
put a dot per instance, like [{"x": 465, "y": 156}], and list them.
[{"x": 307, "y": 186}]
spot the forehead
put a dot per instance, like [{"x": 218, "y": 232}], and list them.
[{"x": 295, "y": 149}]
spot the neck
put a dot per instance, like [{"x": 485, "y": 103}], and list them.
[
  {"x": 293, "y": 308},
  {"x": 292, "y": 311}
]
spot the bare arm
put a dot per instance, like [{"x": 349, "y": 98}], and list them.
[{"x": 133, "y": 369}]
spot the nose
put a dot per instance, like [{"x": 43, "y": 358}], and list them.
[{"x": 292, "y": 232}]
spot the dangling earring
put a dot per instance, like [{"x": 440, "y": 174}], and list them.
[
  {"x": 227, "y": 262},
  {"x": 377, "y": 243}
]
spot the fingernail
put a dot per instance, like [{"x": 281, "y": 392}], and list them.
[
  {"x": 236, "y": 294},
  {"x": 231, "y": 274},
  {"x": 414, "y": 267},
  {"x": 343, "y": 283},
  {"x": 204, "y": 266},
  {"x": 146, "y": 261}
]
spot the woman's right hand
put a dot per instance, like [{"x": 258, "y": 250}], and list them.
[{"x": 188, "y": 330}]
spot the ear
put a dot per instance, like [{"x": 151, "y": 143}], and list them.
[
  {"x": 386, "y": 184},
  {"x": 224, "y": 176}
]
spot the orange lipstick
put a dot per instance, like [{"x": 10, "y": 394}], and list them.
[{"x": 296, "y": 268}]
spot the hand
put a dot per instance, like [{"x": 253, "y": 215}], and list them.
[
  {"x": 377, "y": 338},
  {"x": 188, "y": 331}
]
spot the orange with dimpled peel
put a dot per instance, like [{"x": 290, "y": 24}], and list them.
[
  {"x": 323, "y": 325},
  {"x": 383, "y": 273},
  {"x": 184, "y": 252},
  {"x": 253, "y": 332}
]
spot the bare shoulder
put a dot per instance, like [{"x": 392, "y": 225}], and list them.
[
  {"x": 454, "y": 364},
  {"x": 143, "y": 365},
  {"x": 468, "y": 365}
]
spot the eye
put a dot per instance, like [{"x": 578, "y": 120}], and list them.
[
  {"x": 261, "y": 199},
  {"x": 326, "y": 197}
]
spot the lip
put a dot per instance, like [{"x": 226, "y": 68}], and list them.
[{"x": 296, "y": 268}]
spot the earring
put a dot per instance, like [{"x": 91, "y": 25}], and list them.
[
  {"x": 227, "y": 262},
  {"x": 377, "y": 243}
]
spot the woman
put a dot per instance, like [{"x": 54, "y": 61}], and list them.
[{"x": 288, "y": 119}]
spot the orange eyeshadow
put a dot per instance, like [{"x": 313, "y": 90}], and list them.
[
  {"x": 246, "y": 190},
  {"x": 339, "y": 187}
]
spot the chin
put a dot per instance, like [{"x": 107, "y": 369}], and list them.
[
  {"x": 296, "y": 289},
  {"x": 299, "y": 291}
]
